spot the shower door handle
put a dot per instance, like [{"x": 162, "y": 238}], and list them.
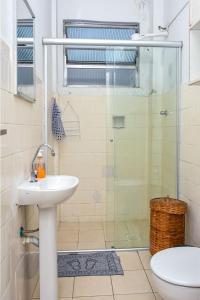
[{"x": 164, "y": 113}]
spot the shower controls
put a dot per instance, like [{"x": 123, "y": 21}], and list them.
[{"x": 164, "y": 113}]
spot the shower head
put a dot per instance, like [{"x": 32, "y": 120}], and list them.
[{"x": 162, "y": 29}]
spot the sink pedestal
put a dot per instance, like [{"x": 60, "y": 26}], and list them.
[
  {"x": 48, "y": 253},
  {"x": 47, "y": 193}
]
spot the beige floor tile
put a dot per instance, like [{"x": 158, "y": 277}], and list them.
[
  {"x": 65, "y": 288},
  {"x": 90, "y": 225},
  {"x": 67, "y": 246},
  {"x": 91, "y": 245},
  {"x": 131, "y": 283},
  {"x": 36, "y": 293},
  {"x": 149, "y": 296},
  {"x": 148, "y": 272},
  {"x": 145, "y": 257},
  {"x": 91, "y": 236},
  {"x": 95, "y": 298},
  {"x": 92, "y": 286},
  {"x": 130, "y": 261},
  {"x": 67, "y": 236}
]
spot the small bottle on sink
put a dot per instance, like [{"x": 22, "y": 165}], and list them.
[{"x": 40, "y": 165}]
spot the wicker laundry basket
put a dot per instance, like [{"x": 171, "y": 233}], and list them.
[{"x": 167, "y": 223}]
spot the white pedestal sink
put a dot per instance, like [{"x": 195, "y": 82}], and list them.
[{"x": 47, "y": 193}]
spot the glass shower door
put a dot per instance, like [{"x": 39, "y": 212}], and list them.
[{"x": 141, "y": 145}]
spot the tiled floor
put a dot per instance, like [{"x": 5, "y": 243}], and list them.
[
  {"x": 135, "y": 284},
  {"x": 99, "y": 235}
]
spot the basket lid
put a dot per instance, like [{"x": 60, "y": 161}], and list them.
[{"x": 168, "y": 205}]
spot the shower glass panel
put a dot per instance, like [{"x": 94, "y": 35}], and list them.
[
  {"x": 141, "y": 142},
  {"x": 120, "y": 118}
]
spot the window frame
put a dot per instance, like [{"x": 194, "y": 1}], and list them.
[
  {"x": 99, "y": 24},
  {"x": 26, "y": 22}
]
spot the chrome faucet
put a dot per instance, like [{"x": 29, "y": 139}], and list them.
[{"x": 33, "y": 175}]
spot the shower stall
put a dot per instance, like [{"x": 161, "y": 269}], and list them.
[{"x": 122, "y": 134}]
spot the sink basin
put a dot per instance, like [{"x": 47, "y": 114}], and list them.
[{"x": 47, "y": 192}]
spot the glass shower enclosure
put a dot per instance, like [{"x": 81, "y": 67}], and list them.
[
  {"x": 141, "y": 131},
  {"x": 142, "y": 145}
]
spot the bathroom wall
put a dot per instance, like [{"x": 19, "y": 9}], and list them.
[
  {"x": 163, "y": 161},
  {"x": 189, "y": 121},
  {"x": 23, "y": 121},
  {"x": 88, "y": 154},
  {"x": 169, "y": 100},
  {"x": 189, "y": 160},
  {"x": 131, "y": 11},
  {"x": 84, "y": 155},
  {"x": 179, "y": 29}
]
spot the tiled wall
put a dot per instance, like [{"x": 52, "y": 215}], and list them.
[
  {"x": 84, "y": 156},
  {"x": 190, "y": 116},
  {"x": 164, "y": 98},
  {"x": 169, "y": 144},
  {"x": 190, "y": 160},
  {"x": 91, "y": 155},
  {"x": 164, "y": 160},
  {"x": 23, "y": 123},
  {"x": 130, "y": 156},
  {"x": 142, "y": 156},
  {"x": 155, "y": 161}
]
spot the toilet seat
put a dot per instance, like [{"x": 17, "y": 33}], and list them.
[{"x": 179, "y": 266}]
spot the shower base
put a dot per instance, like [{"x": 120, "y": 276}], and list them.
[{"x": 75, "y": 236}]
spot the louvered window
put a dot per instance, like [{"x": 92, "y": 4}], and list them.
[
  {"x": 25, "y": 71},
  {"x": 100, "y": 66}
]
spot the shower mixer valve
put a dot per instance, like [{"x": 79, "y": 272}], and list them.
[{"x": 164, "y": 113}]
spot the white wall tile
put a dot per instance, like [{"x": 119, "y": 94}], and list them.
[{"x": 23, "y": 121}]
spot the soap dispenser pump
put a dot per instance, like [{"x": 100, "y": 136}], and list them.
[{"x": 40, "y": 165}]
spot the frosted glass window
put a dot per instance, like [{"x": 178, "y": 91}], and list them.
[{"x": 109, "y": 66}]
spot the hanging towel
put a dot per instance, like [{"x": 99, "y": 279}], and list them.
[{"x": 57, "y": 125}]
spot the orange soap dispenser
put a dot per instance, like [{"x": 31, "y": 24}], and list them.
[{"x": 40, "y": 166}]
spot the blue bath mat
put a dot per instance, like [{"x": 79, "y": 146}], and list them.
[{"x": 89, "y": 264}]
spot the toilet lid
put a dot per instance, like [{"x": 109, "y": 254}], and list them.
[{"x": 180, "y": 266}]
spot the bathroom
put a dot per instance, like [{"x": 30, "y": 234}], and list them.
[{"x": 125, "y": 81}]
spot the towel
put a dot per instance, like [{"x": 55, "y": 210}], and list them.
[{"x": 57, "y": 125}]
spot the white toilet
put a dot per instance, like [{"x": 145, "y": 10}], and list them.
[{"x": 176, "y": 273}]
